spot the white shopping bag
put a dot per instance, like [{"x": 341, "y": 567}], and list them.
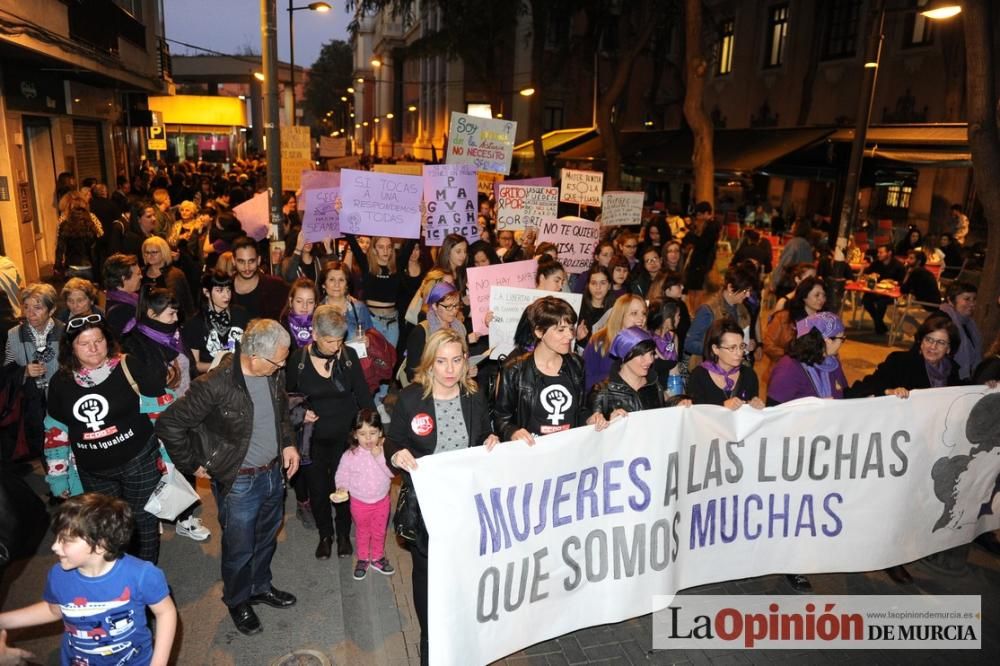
[{"x": 173, "y": 494}]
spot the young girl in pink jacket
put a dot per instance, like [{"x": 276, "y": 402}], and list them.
[{"x": 363, "y": 475}]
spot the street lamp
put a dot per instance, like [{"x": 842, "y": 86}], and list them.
[
  {"x": 321, "y": 7},
  {"x": 526, "y": 92},
  {"x": 866, "y": 100}
]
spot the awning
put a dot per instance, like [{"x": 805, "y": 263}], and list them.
[
  {"x": 949, "y": 158},
  {"x": 736, "y": 150},
  {"x": 550, "y": 141},
  {"x": 951, "y": 134}
]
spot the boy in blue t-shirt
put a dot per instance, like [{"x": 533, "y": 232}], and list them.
[{"x": 99, "y": 592}]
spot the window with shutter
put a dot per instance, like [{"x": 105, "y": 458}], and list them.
[{"x": 89, "y": 150}]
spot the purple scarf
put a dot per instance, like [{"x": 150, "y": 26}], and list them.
[
  {"x": 666, "y": 346},
  {"x": 301, "y": 327},
  {"x": 820, "y": 375},
  {"x": 731, "y": 376},
  {"x": 125, "y": 298},
  {"x": 168, "y": 340},
  {"x": 938, "y": 375}
]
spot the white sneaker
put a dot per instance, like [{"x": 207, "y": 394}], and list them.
[{"x": 193, "y": 529}]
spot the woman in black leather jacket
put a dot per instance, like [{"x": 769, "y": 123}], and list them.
[
  {"x": 541, "y": 392},
  {"x": 629, "y": 388}
]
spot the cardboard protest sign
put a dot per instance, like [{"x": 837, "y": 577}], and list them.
[
  {"x": 508, "y": 303},
  {"x": 405, "y": 168},
  {"x": 481, "y": 278},
  {"x": 575, "y": 239},
  {"x": 520, "y": 206},
  {"x": 320, "y": 219},
  {"x": 349, "y": 162},
  {"x": 450, "y": 199},
  {"x": 485, "y": 143},
  {"x": 380, "y": 204},
  {"x": 621, "y": 208},
  {"x": 539, "y": 182},
  {"x": 486, "y": 180},
  {"x": 296, "y": 155},
  {"x": 581, "y": 187},
  {"x": 254, "y": 216},
  {"x": 331, "y": 146}
]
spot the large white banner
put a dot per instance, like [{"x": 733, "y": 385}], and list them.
[{"x": 586, "y": 528}]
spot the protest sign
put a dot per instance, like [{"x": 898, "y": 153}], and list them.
[
  {"x": 331, "y": 146},
  {"x": 450, "y": 199},
  {"x": 581, "y": 187},
  {"x": 485, "y": 143},
  {"x": 507, "y": 304},
  {"x": 380, "y": 204},
  {"x": 520, "y": 206},
  {"x": 296, "y": 155},
  {"x": 314, "y": 180},
  {"x": 486, "y": 180},
  {"x": 320, "y": 219},
  {"x": 575, "y": 239},
  {"x": 586, "y": 528},
  {"x": 481, "y": 278},
  {"x": 621, "y": 208},
  {"x": 538, "y": 182},
  {"x": 405, "y": 168},
  {"x": 254, "y": 216},
  {"x": 349, "y": 162}
]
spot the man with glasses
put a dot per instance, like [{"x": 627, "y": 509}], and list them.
[{"x": 232, "y": 427}]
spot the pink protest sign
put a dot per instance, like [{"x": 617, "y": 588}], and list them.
[
  {"x": 321, "y": 219},
  {"x": 380, "y": 204},
  {"x": 481, "y": 278},
  {"x": 450, "y": 199},
  {"x": 254, "y": 216},
  {"x": 315, "y": 180},
  {"x": 575, "y": 239}
]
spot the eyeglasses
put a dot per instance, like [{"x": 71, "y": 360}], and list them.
[
  {"x": 935, "y": 342},
  {"x": 279, "y": 366},
  {"x": 448, "y": 306},
  {"x": 77, "y": 322},
  {"x": 734, "y": 348}
]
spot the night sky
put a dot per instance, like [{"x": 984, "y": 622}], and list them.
[{"x": 230, "y": 25}]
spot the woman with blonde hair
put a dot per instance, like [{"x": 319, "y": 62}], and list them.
[
  {"x": 159, "y": 271},
  {"x": 442, "y": 410},
  {"x": 629, "y": 310}
]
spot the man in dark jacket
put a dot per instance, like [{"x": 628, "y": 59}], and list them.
[
  {"x": 887, "y": 267},
  {"x": 233, "y": 427}
]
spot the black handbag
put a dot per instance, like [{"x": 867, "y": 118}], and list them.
[{"x": 407, "y": 520}]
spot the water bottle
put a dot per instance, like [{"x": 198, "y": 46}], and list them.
[{"x": 675, "y": 385}]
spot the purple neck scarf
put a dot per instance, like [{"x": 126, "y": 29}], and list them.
[
  {"x": 168, "y": 340},
  {"x": 938, "y": 374},
  {"x": 302, "y": 329},
  {"x": 125, "y": 298},
  {"x": 820, "y": 375},
  {"x": 729, "y": 375},
  {"x": 666, "y": 346}
]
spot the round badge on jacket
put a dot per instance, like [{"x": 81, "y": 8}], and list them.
[{"x": 422, "y": 424}]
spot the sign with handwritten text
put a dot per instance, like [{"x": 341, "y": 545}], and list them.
[
  {"x": 508, "y": 304},
  {"x": 481, "y": 278},
  {"x": 581, "y": 187},
  {"x": 296, "y": 155},
  {"x": 520, "y": 206},
  {"x": 621, "y": 208},
  {"x": 380, "y": 204},
  {"x": 485, "y": 143},
  {"x": 450, "y": 202},
  {"x": 575, "y": 238},
  {"x": 320, "y": 219}
]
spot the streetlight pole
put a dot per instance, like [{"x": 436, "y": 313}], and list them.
[
  {"x": 272, "y": 125},
  {"x": 312, "y": 6}
]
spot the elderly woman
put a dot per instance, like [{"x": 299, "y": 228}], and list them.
[
  {"x": 160, "y": 272},
  {"x": 328, "y": 373},
  {"x": 79, "y": 297},
  {"x": 630, "y": 388},
  {"x": 443, "y": 410},
  {"x": 34, "y": 347},
  {"x": 95, "y": 427},
  {"x": 122, "y": 279}
]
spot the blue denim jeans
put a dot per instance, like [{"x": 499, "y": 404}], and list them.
[{"x": 250, "y": 516}]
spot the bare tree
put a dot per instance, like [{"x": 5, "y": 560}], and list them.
[{"x": 696, "y": 65}]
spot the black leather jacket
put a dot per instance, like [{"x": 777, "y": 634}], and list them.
[
  {"x": 613, "y": 393},
  {"x": 211, "y": 425},
  {"x": 518, "y": 385}
]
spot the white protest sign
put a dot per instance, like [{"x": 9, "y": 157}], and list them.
[
  {"x": 380, "y": 204},
  {"x": 586, "y": 528},
  {"x": 621, "y": 208},
  {"x": 575, "y": 239},
  {"x": 520, "y": 206},
  {"x": 320, "y": 219},
  {"x": 581, "y": 187},
  {"x": 450, "y": 198},
  {"x": 254, "y": 216},
  {"x": 485, "y": 143},
  {"x": 507, "y": 304},
  {"x": 481, "y": 278}
]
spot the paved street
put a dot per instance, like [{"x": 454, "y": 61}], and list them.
[{"x": 372, "y": 622}]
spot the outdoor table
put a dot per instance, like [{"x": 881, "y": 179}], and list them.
[{"x": 854, "y": 288}]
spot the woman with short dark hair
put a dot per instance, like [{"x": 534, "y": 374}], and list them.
[
  {"x": 811, "y": 366},
  {"x": 721, "y": 378},
  {"x": 629, "y": 388}
]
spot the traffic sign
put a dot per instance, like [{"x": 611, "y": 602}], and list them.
[{"x": 156, "y": 138}]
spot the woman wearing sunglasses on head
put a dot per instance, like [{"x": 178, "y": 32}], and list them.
[{"x": 96, "y": 437}]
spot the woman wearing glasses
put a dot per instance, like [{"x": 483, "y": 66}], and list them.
[
  {"x": 160, "y": 272},
  {"x": 95, "y": 427},
  {"x": 443, "y": 304},
  {"x": 722, "y": 379}
]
